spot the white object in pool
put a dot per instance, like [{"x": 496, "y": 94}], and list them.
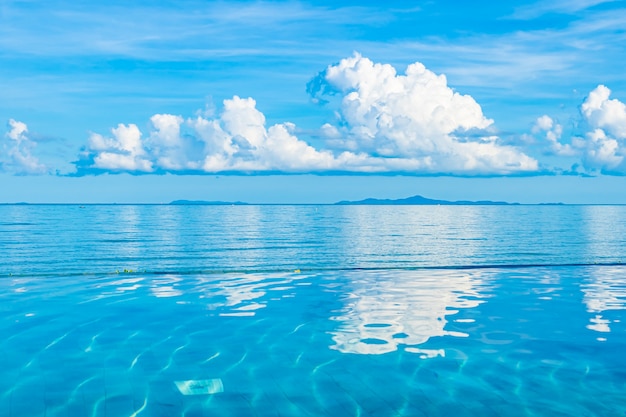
[{"x": 200, "y": 387}]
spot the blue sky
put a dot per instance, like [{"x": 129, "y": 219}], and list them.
[{"x": 312, "y": 102}]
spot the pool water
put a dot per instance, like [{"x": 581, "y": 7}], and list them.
[{"x": 531, "y": 341}]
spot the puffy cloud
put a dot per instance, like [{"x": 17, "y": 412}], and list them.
[
  {"x": 604, "y": 146},
  {"x": 18, "y": 131},
  {"x": 122, "y": 152},
  {"x": 412, "y": 123},
  {"x": 169, "y": 149},
  {"x": 19, "y": 158},
  {"x": 603, "y": 113},
  {"x": 553, "y": 131},
  {"x": 237, "y": 141},
  {"x": 241, "y": 142},
  {"x": 602, "y": 152},
  {"x": 414, "y": 116}
]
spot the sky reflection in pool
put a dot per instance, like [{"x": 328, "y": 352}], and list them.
[{"x": 476, "y": 342}]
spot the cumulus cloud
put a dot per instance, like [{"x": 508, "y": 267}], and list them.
[
  {"x": 237, "y": 141},
  {"x": 601, "y": 146},
  {"x": 18, "y": 131},
  {"x": 604, "y": 146},
  {"x": 604, "y": 113},
  {"x": 412, "y": 123},
  {"x": 602, "y": 152},
  {"x": 240, "y": 141},
  {"x": 123, "y": 151},
  {"x": 18, "y": 147},
  {"x": 413, "y": 116},
  {"x": 553, "y": 131},
  {"x": 170, "y": 150}
]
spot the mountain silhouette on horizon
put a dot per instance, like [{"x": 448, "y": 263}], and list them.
[{"x": 418, "y": 200}]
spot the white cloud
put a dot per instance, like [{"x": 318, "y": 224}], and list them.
[
  {"x": 249, "y": 145},
  {"x": 604, "y": 146},
  {"x": 543, "y": 123},
  {"x": 553, "y": 131},
  {"x": 413, "y": 123},
  {"x": 416, "y": 116},
  {"x": 555, "y": 6},
  {"x": 238, "y": 140},
  {"x": 602, "y": 152},
  {"x": 605, "y": 113},
  {"x": 123, "y": 152},
  {"x": 169, "y": 150},
  {"x": 18, "y": 130},
  {"x": 19, "y": 158}
]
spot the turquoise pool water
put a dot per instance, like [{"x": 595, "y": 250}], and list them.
[{"x": 318, "y": 311}]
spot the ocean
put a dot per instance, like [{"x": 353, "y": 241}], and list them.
[{"x": 312, "y": 310}]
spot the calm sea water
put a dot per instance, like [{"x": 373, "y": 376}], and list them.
[{"x": 312, "y": 310}]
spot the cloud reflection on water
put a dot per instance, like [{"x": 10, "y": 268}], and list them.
[
  {"x": 385, "y": 311},
  {"x": 243, "y": 295},
  {"x": 604, "y": 292},
  {"x": 166, "y": 286}
]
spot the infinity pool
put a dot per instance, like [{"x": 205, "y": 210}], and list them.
[{"x": 430, "y": 342}]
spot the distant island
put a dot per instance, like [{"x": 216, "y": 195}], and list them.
[
  {"x": 206, "y": 203},
  {"x": 418, "y": 200}
]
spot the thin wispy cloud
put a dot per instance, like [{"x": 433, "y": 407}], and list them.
[
  {"x": 522, "y": 61},
  {"x": 541, "y": 8},
  {"x": 164, "y": 33},
  {"x": 298, "y": 37}
]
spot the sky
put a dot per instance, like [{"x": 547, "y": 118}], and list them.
[{"x": 312, "y": 102}]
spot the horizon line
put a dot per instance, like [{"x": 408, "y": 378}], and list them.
[{"x": 468, "y": 203}]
